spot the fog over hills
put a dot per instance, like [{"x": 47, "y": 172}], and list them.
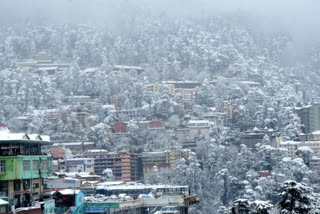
[{"x": 219, "y": 96}]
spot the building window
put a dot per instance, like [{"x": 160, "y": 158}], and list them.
[
  {"x": 44, "y": 164},
  {"x": 2, "y": 166},
  {"x": 35, "y": 165},
  {"x": 16, "y": 185},
  {"x": 26, "y": 165}
]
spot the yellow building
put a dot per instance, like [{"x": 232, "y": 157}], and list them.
[
  {"x": 314, "y": 136},
  {"x": 28, "y": 63},
  {"x": 175, "y": 154},
  {"x": 228, "y": 108},
  {"x": 186, "y": 91},
  {"x": 43, "y": 58},
  {"x": 165, "y": 160},
  {"x": 171, "y": 89},
  {"x": 154, "y": 88},
  {"x": 292, "y": 146},
  {"x": 114, "y": 100}
]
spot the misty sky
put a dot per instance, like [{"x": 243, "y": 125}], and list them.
[{"x": 299, "y": 17}]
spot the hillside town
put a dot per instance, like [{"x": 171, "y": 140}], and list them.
[
  {"x": 145, "y": 110},
  {"x": 85, "y": 146}
]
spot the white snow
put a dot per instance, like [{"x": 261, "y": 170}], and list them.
[
  {"x": 67, "y": 191},
  {"x": 3, "y": 202}
]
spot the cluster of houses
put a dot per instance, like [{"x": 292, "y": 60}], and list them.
[
  {"x": 30, "y": 183},
  {"x": 125, "y": 165},
  {"x": 59, "y": 182}
]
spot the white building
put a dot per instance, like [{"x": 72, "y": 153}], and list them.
[
  {"x": 80, "y": 165},
  {"x": 199, "y": 128}
]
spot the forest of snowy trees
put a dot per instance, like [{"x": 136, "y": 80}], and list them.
[{"x": 224, "y": 175}]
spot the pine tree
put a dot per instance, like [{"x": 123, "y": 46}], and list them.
[{"x": 295, "y": 198}]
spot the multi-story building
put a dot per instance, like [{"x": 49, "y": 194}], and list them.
[
  {"x": 310, "y": 117},
  {"x": 126, "y": 68},
  {"x": 154, "y": 88},
  {"x": 79, "y": 165},
  {"x": 195, "y": 130},
  {"x": 76, "y": 147},
  {"x": 100, "y": 159},
  {"x": 22, "y": 167},
  {"x": 292, "y": 146},
  {"x": 120, "y": 127},
  {"x": 183, "y": 136},
  {"x": 220, "y": 119},
  {"x": 314, "y": 136},
  {"x": 58, "y": 152},
  {"x": 152, "y": 159},
  {"x": 228, "y": 108},
  {"x": 252, "y": 137},
  {"x": 125, "y": 115},
  {"x": 162, "y": 160},
  {"x": 183, "y": 84},
  {"x": 124, "y": 165},
  {"x": 174, "y": 154},
  {"x": 44, "y": 64},
  {"x": 75, "y": 100},
  {"x": 199, "y": 128},
  {"x": 156, "y": 124}
]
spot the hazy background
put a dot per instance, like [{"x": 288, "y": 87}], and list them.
[{"x": 298, "y": 18}]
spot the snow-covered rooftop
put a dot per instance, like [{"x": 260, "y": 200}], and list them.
[
  {"x": 316, "y": 132},
  {"x": 290, "y": 142},
  {"x": 48, "y": 68},
  {"x": 133, "y": 186},
  {"x": 72, "y": 144},
  {"x": 3, "y": 202},
  {"x": 198, "y": 121},
  {"x": 66, "y": 191},
  {"x": 78, "y": 159},
  {"x": 96, "y": 150},
  {"x": 127, "y": 67}
]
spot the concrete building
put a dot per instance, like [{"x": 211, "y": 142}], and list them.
[
  {"x": 314, "y": 136},
  {"x": 125, "y": 165},
  {"x": 220, "y": 119},
  {"x": 292, "y": 146},
  {"x": 199, "y": 128},
  {"x": 54, "y": 182},
  {"x": 228, "y": 108},
  {"x": 100, "y": 159},
  {"x": 164, "y": 160},
  {"x": 156, "y": 124},
  {"x": 310, "y": 117},
  {"x": 58, "y": 152},
  {"x": 22, "y": 167},
  {"x": 254, "y": 136},
  {"x": 154, "y": 88},
  {"x": 152, "y": 159},
  {"x": 120, "y": 127},
  {"x": 130, "y": 69},
  {"x": 79, "y": 165},
  {"x": 184, "y": 138},
  {"x": 168, "y": 199},
  {"x": 183, "y": 84},
  {"x": 76, "y": 147},
  {"x": 126, "y": 115},
  {"x": 43, "y": 63}
]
